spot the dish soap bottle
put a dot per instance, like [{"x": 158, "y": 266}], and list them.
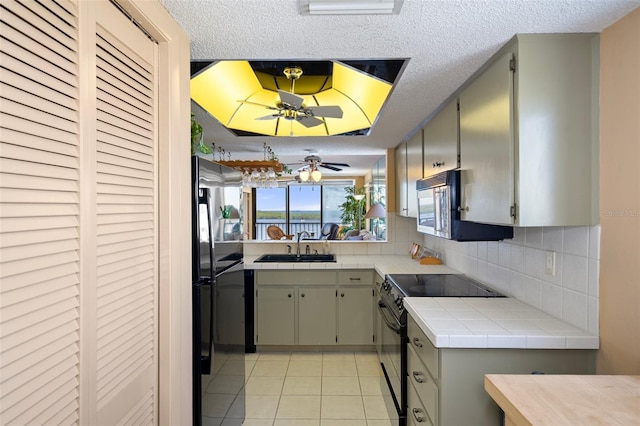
[{"x": 325, "y": 247}]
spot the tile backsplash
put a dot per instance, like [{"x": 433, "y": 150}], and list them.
[{"x": 517, "y": 268}]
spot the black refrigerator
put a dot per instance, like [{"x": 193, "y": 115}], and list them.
[{"x": 218, "y": 283}]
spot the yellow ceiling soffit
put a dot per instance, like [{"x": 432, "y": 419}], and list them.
[
  {"x": 366, "y": 91},
  {"x": 226, "y": 80}
]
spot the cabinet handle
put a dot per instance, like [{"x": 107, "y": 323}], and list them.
[
  {"x": 341, "y": 294},
  {"x": 465, "y": 209},
  {"x": 302, "y": 295},
  {"x": 415, "y": 413},
  {"x": 354, "y": 279},
  {"x": 438, "y": 164},
  {"x": 289, "y": 294},
  {"x": 418, "y": 377},
  {"x": 417, "y": 342}
]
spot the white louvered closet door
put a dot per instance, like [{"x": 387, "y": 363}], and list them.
[
  {"x": 126, "y": 222},
  {"x": 78, "y": 221}
]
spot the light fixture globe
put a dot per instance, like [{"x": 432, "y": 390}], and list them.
[
  {"x": 316, "y": 175},
  {"x": 304, "y": 175}
]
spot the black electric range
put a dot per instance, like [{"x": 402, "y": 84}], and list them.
[{"x": 398, "y": 286}]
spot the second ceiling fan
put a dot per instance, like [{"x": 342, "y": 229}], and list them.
[{"x": 291, "y": 106}]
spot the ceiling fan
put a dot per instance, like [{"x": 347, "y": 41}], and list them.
[
  {"x": 313, "y": 162},
  {"x": 291, "y": 106}
]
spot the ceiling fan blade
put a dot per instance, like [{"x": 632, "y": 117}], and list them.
[
  {"x": 331, "y": 111},
  {"x": 310, "y": 121},
  {"x": 268, "y": 117},
  {"x": 257, "y": 104},
  {"x": 330, "y": 167},
  {"x": 336, "y": 164},
  {"x": 290, "y": 99}
]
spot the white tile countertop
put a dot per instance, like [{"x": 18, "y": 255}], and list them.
[
  {"x": 493, "y": 323},
  {"x": 383, "y": 264}
]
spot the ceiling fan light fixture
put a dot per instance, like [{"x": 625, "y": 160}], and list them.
[
  {"x": 304, "y": 175},
  {"x": 316, "y": 175}
]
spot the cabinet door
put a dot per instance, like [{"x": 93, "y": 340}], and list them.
[
  {"x": 355, "y": 316},
  {"x": 440, "y": 141},
  {"x": 414, "y": 172},
  {"x": 486, "y": 145},
  {"x": 401, "y": 179},
  {"x": 276, "y": 315},
  {"x": 316, "y": 316}
]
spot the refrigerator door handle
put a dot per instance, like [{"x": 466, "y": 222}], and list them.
[{"x": 206, "y": 360}]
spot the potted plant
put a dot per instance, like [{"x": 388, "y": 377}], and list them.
[
  {"x": 197, "y": 138},
  {"x": 352, "y": 209}
]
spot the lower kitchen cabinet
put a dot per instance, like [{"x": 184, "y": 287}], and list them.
[
  {"x": 446, "y": 385},
  {"x": 316, "y": 316},
  {"x": 355, "y": 317},
  {"x": 276, "y": 315},
  {"x": 314, "y": 308}
]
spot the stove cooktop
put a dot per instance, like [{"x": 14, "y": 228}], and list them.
[{"x": 440, "y": 285}]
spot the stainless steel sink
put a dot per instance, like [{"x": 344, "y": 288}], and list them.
[{"x": 273, "y": 258}]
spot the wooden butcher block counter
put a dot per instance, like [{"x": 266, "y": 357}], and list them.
[{"x": 566, "y": 399}]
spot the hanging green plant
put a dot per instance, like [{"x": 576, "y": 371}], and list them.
[{"x": 197, "y": 138}]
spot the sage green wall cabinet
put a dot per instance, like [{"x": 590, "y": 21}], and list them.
[
  {"x": 446, "y": 385},
  {"x": 408, "y": 171},
  {"x": 401, "y": 180},
  {"x": 276, "y": 315},
  {"x": 317, "y": 315},
  {"x": 440, "y": 141},
  {"x": 314, "y": 307},
  {"x": 528, "y": 133}
]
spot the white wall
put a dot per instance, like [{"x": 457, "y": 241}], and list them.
[{"x": 517, "y": 268}]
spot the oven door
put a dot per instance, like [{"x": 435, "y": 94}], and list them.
[{"x": 392, "y": 351}]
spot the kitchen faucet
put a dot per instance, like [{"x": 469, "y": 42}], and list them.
[{"x": 298, "y": 245}]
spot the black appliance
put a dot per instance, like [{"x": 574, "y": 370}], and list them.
[
  {"x": 218, "y": 280},
  {"x": 392, "y": 347},
  {"x": 439, "y": 210}
]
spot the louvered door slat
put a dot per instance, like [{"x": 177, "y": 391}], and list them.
[
  {"x": 26, "y": 295},
  {"x": 19, "y": 166},
  {"x": 38, "y": 183},
  {"x": 63, "y": 309},
  {"x": 29, "y": 101},
  {"x": 123, "y": 115},
  {"x": 124, "y": 277},
  {"x": 117, "y": 94},
  {"x": 56, "y": 384},
  {"x": 34, "y": 210},
  {"x": 131, "y": 105},
  {"x": 124, "y": 153},
  {"x": 124, "y": 236},
  {"x": 123, "y": 180},
  {"x": 49, "y": 82},
  {"x": 111, "y": 130},
  {"x": 133, "y": 147},
  {"x": 41, "y": 275},
  {"x": 30, "y": 128},
  {"x": 27, "y": 264},
  {"x": 52, "y": 335},
  {"x": 122, "y": 77},
  {"x": 46, "y": 22},
  {"x": 137, "y": 65},
  {"x": 44, "y": 144},
  {"x": 30, "y": 223}
]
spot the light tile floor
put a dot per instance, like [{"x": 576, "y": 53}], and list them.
[{"x": 295, "y": 389}]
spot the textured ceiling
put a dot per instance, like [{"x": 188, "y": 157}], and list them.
[{"x": 446, "y": 41}]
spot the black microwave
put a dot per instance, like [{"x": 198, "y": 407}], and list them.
[{"x": 439, "y": 211}]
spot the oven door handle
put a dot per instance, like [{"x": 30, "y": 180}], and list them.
[{"x": 393, "y": 325}]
